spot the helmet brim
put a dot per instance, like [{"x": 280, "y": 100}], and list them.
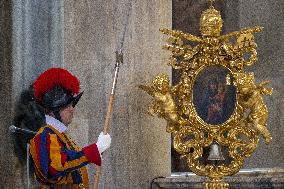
[{"x": 76, "y": 99}]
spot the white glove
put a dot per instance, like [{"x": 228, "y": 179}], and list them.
[{"x": 103, "y": 142}]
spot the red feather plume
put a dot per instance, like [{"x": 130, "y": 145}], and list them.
[{"x": 55, "y": 77}]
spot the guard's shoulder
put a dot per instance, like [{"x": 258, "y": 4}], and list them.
[{"x": 43, "y": 131}]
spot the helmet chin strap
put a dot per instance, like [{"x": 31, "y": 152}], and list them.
[{"x": 57, "y": 115}]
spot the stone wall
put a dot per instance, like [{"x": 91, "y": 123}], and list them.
[
  {"x": 140, "y": 147},
  {"x": 31, "y": 40},
  {"x": 268, "y": 14},
  {"x": 6, "y": 158}
]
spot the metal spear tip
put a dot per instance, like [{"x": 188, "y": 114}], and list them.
[{"x": 119, "y": 57}]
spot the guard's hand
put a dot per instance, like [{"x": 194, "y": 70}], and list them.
[{"x": 103, "y": 142}]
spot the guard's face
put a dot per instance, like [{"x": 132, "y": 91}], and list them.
[{"x": 66, "y": 114}]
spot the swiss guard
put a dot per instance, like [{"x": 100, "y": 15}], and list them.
[{"x": 58, "y": 162}]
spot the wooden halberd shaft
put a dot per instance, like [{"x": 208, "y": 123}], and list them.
[{"x": 119, "y": 60}]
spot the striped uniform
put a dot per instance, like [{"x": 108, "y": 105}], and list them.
[{"x": 58, "y": 161}]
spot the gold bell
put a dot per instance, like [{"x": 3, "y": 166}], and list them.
[{"x": 215, "y": 153}]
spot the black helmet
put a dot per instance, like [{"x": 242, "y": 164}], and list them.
[
  {"x": 58, "y": 98},
  {"x": 56, "y": 88}
]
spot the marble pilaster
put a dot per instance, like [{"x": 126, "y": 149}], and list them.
[
  {"x": 140, "y": 147},
  {"x": 268, "y": 14},
  {"x": 31, "y": 41}
]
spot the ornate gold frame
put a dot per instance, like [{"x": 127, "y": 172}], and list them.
[{"x": 240, "y": 133}]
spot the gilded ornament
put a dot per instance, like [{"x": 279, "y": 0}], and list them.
[{"x": 212, "y": 82}]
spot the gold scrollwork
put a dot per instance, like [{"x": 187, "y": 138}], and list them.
[{"x": 240, "y": 132}]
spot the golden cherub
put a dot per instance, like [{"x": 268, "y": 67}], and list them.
[
  {"x": 163, "y": 104},
  {"x": 251, "y": 99}
]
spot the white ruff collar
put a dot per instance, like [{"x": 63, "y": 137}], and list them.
[{"x": 56, "y": 124}]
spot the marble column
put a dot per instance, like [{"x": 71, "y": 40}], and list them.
[
  {"x": 140, "y": 148},
  {"x": 31, "y": 40},
  {"x": 7, "y": 173},
  {"x": 270, "y": 15},
  {"x": 37, "y": 39}
]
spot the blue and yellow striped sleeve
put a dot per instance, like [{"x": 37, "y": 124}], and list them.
[{"x": 56, "y": 155}]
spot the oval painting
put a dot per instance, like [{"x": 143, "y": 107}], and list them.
[{"x": 214, "y": 95}]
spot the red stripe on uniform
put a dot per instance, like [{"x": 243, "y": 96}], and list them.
[{"x": 37, "y": 146}]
